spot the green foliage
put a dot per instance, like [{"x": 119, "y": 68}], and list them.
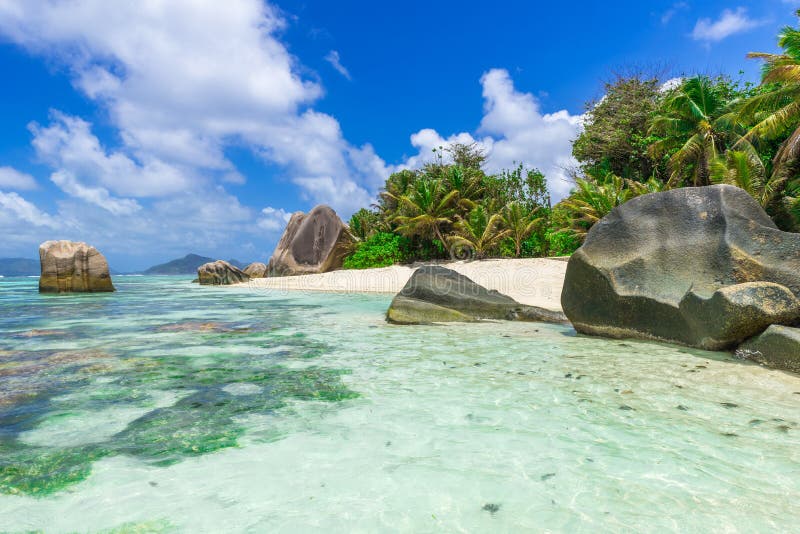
[
  {"x": 477, "y": 234},
  {"x": 379, "y": 250},
  {"x": 364, "y": 223},
  {"x": 615, "y": 136}
]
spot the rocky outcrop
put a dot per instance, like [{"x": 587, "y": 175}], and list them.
[
  {"x": 704, "y": 267},
  {"x": 220, "y": 273},
  {"x": 435, "y": 294},
  {"x": 778, "y": 346},
  {"x": 316, "y": 242},
  {"x": 72, "y": 267},
  {"x": 256, "y": 270}
]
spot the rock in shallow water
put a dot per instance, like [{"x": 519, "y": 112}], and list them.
[
  {"x": 72, "y": 267},
  {"x": 704, "y": 267},
  {"x": 220, "y": 272},
  {"x": 435, "y": 294},
  {"x": 778, "y": 346}
]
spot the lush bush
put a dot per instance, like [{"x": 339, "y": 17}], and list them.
[
  {"x": 379, "y": 250},
  {"x": 562, "y": 242}
]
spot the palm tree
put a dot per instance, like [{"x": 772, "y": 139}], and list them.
[
  {"x": 478, "y": 232},
  {"x": 468, "y": 184},
  {"x": 425, "y": 209},
  {"x": 520, "y": 223},
  {"x": 687, "y": 123},
  {"x": 743, "y": 170},
  {"x": 777, "y": 111}
]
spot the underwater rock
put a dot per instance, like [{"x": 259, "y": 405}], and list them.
[
  {"x": 72, "y": 267},
  {"x": 220, "y": 273},
  {"x": 316, "y": 242},
  {"x": 435, "y": 294},
  {"x": 778, "y": 347},
  {"x": 700, "y": 266},
  {"x": 256, "y": 270}
]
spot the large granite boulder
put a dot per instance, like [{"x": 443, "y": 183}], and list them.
[
  {"x": 316, "y": 242},
  {"x": 256, "y": 270},
  {"x": 70, "y": 266},
  {"x": 701, "y": 266},
  {"x": 435, "y": 294},
  {"x": 778, "y": 346},
  {"x": 220, "y": 273}
]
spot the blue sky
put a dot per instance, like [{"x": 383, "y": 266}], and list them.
[{"x": 154, "y": 129}]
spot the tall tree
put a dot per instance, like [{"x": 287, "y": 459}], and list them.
[
  {"x": 520, "y": 223},
  {"x": 479, "y": 232},
  {"x": 687, "y": 121},
  {"x": 427, "y": 207},
  {"x": 614, "y": 138}
]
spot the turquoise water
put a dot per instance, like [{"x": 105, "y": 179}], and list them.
[{"x": 170, "y": 407}]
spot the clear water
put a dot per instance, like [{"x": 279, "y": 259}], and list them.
[{"x": 169, "y": 407}]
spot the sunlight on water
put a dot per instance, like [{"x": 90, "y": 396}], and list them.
[{"x": 168, "y": 407}]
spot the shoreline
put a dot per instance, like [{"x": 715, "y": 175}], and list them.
[{"x": 530, "y": 281}]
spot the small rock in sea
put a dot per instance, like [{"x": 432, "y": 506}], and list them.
[
  {"x": 778, "y": 420},
  {"x": 547, "y": 476},
  {"x": 730, "y": 434},
  {"x": 729, "y": 405},
  {"x": 678, "y": 386},
  {"x": 627, "y": 392},
  {"x": 701, "y": 367},
  {"x": 754, "y": 422},
  {"x": 625, "y": 407},
  {"x": 682, "y": 408},
  {"x": 491, "y": 507},
  {"x": 568, "y": 375},
  {"x": 477, "y": 364},
  {"x": 388, "y": 443},
  {"x": 154, "y": 484},
  {"x": 624, "y": 345},
  {"x": 784, "y": 428}
]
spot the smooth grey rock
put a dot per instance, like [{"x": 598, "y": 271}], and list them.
[
  {"x": 316, "y": 242},
  {"x": 778, "y": 347},
  {"x": 256, "y": 270},
  {"x": 698, "y": 266},
  {"x": 436, "y": 294},
  {"x": 219, "y": 273}
]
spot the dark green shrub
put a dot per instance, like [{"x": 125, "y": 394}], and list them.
[{"x": 379, "y": 250}]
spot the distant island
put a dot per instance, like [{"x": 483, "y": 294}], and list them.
[
  {"x": 186, "y": 265},
  {"x": 19, "y": 267}
]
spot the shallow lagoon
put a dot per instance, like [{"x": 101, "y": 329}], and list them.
[{"x": 172, "y": 407}]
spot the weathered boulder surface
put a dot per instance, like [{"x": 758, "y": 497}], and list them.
[
  {"x": 436, "y": 294},
  {"x": 702, "y": 266},
  {"x": 220, "y": 273},
  {"x": 70, "y": 266},
  {"x": 256, "y": 270},
  {"x": 316, "y": 242},
  {"x": 778, "y": 346}
]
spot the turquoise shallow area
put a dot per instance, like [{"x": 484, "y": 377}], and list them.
[{"x": 172, "y": 407}]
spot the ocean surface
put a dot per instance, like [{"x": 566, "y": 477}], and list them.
[{"x": 170, "y": 407}]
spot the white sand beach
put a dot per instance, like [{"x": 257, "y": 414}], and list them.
[{"x": 531, "y": 281}]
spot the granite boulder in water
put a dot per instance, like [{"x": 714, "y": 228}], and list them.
[
  {"x": 778, "y": 346},
  {"x": 436, "y": 294},
  {"x": 72, "y": 267},
  {"x": 316, "y": 242},
  {"x": 256, "y": 270},
  {"x": 220, "y": 273},
  {"x": 700, "y": 266}
]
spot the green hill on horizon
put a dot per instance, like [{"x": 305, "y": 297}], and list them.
[{"x": 186, "y": 265}]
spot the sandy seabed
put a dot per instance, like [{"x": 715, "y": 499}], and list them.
[{"x": 531, "y": 281}]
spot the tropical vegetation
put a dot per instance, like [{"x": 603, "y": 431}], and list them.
[{"x": 645, "y": 135}]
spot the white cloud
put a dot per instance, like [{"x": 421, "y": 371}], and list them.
[
  {"x": 14, "y": 208},
  {"x": 669, "y": 85},
  {"x": 513, "y": 130},
  {"x": 68, "y": 145},
  {"x": 11, "y": 178},
  {"x": 333, "y": 58},
  {"x": 182, "y": 81},
  {"x": 273, "y": 219},
  {"x": 729, "y": 23},
  {"x": 667, "y": 16},
  {"x": 94, "y": 195}
]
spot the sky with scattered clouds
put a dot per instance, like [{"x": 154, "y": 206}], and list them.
[{"x": 157, "y": 128}]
